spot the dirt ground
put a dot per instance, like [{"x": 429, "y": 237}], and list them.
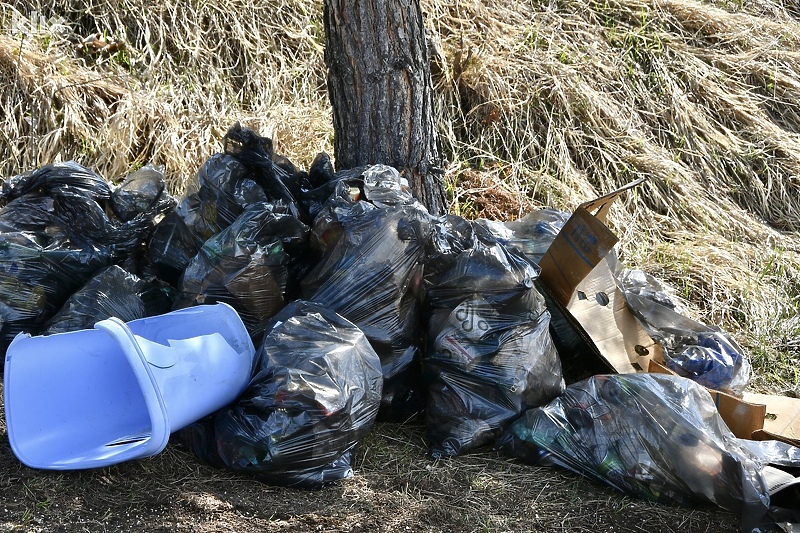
[{"x": 395, "y": 488}]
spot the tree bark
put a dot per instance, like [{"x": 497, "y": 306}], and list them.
[{"x": 380, "y": 88}]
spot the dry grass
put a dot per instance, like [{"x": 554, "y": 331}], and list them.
[
  {"x": 187, "y": 71},
  {"x": 541, "y": 103}
]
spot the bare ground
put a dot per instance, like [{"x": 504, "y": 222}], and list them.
[{"x": 395, "y": 488}]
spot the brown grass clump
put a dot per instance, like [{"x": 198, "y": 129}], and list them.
[{"x": 180, "y": 75}]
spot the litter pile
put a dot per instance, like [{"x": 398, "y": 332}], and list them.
[{"x": 360, "y": 305}]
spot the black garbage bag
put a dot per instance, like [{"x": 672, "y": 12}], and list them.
[
  {"x": 451, "y": 236},
  {"x": 111, "y": 292},
  {"x": 490, "y": 355},
  {"x": 278, "y": 177},
  {"x": 143, "y": 192},
  {"x": 36, "y": 281},
  {"x": 243, "y": 174},
  {"x": 210, "y": 203},
  {"x": 370, "y": 275},
  {"x": 692, "y": 349},
  {"x": 381, "y": 185},
  {"x": 315, "y": 394},
  {"x": 60, "y": 179},
  {"x": 254, "y": 265},
  {"x": 66, "y": 203},
  {"x": 652, "y": 436},
  {"x": 532, "y": 235},
  {"x": 54, "y": 235},
  {"x": 170, "y": 248},
  {"x": 142, "y": 197}
]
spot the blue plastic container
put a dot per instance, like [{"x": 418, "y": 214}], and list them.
[{"x": 97, "y": 397}]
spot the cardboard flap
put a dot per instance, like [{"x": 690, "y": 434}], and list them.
[
  {"x": 577, "y": 249},
  {"x": 744, "y": 418},
  {"x": 600, "y": 207},
  {"x": 782, "y": 418},
  {"x": 580, "y": 245}
]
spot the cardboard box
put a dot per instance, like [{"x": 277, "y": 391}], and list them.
[{"x": 581, "y": 291}]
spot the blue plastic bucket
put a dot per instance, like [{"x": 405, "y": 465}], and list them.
[{"x": 92, "y": 398}]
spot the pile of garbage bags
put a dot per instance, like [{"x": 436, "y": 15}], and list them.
[
  {"x": 362, "y": 304},
  {"x": 57, "y": 230},
  {"x": 365, "y": 307}
]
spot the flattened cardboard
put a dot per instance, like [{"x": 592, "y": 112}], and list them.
[
  {"x": 576, "y": 250},
  {"x": 600, "y": 308},
  {"x": 580, "y": 358},
  {"x": 782, "y": 420},
  {"x": 579, "y": 283}
]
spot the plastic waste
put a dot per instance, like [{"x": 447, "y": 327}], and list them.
[
  {"x": 95, "y": 397},
  {"x": 652, "y": 436},
  {"x": 112, "y": 292},
  {"x": 532, "y": 234},
  {"x": 315, "y": 394},
  {"x": 490, "y": 355},
  {"x": 370, "y": 274},
  {"x": 698, "y": 351},
  {"x": 245, "y": 173},
  {"x": 254, "y": 265},
  {"x": 54, "y": 235},
  {"x": 380, "y": 185},
  {"x": 141, "y": 192}
]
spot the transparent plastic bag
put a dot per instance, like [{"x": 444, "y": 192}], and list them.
[
  {"x": 652, "y": 436},
  {"x": 703, "y": 353},
  {"x": 490, "y": 355},
  {"x": 369, "y": 275},
  {"x": 532, "y": 234},
  {"x": 336, "y": 194},
  {"x": 314, "y": 395},
  {"x": 253, "y": 265},
  {"x": 381, "y": 185}
]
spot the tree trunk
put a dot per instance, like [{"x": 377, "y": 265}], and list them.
[{"x": 380, "y": 88}]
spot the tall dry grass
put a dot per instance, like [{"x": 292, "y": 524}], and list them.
[{"x": 548, "y": 103}]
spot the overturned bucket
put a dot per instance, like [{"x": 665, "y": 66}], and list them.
[{"x": 96, "y": 397}]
